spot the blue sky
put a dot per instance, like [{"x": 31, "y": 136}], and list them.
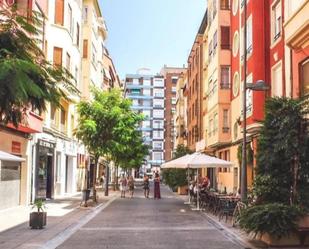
[{"x": 151, "y": 33}]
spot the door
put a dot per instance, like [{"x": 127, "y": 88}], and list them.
[{"x": 49, "y": 176}]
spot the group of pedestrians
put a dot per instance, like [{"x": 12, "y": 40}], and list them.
[{"x": 128, "y": 183}]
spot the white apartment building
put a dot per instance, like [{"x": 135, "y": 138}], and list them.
[{"x": 55, "y": 151}]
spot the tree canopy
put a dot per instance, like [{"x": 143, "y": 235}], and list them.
[
  {"x": 27, "y": 79},
  {"x": 108, "y": 127}
]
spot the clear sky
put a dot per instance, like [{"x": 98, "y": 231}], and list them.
[{"x": 151, "y": 33}]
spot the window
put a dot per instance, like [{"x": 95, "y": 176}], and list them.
[
  {"x": 158, "y": 124},
  {"x": 59, "y": 12},
  {"x": 85, "y": 14},
  {"x": 276, "y": 84},
  {"x": 225, "y": 77},
  {"x": 225, "y": 4},
  {"x": 85, "y": 49},
  {"x": 158, "y": 134},
  {"x": 70, "y": 21},
  {"x": 158, "y": 113},
  {"x": 235, "y": 43},
  {"x": 225, "y": 37},
  {"x": 174, "y": 79},
  {"x": 173, "y": 89},
  {"x": 210, "y": 124},
  {"x": 157, "y": 145},
  {"x": 57, "y": 57},
  {"x": 159, "y": 82},
  {"x": 146, "y": 113},
  {"x": 276, "y": 20},
  {"x": 63, "y": 116},
  {"x": 53, "y": 111},
  {"x": 225, "y": 121},
  {"x": 304, "y": 77},
  {"x": 93, "y": 54},
  {"x": 249, "y": 35},
  {"x": 146, "y": 92},
  {"x": 215, "y": 42},
  {"x": 173, "y": 101},
  {"x": 159, "y": 93},
  {"x": 235, "y": 7},
  {"x": 210, "y": 50},
  {"x": 68, "y": 62},
  {"x": 147, "y": 82},
  {"x": 135, "y": 81},
  {"x": 214, "y": 6},
  {"x": 76, "y": 76},
  {"x": 158, "y": 103},
  {"x": 236, "y": 82},
  {"x": 215, "y": 128},
  {"x": 146, "y": 124},
  {"x": 135, "y": 91},
  {"x": 157, "y": 156},
  {"x": 77, "y": 34}
]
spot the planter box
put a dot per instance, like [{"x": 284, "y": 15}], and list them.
[
  {"x": 37, "y": 220},
  {"x": 293, "y": 240},
  {"x": 183, "y": 190}
]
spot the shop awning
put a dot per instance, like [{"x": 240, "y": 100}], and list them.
[{"x": 9, "y": 157}]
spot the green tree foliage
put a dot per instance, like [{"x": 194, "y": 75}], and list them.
[
  {"x": 27, "y": 80},
  {"x": 281, "y": 185},
  {"x": 177, "y": 177},
  {"x": 283, "y": 153},
  {"x": 276, "y": 219}
]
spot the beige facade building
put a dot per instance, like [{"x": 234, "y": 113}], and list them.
[{"x": 180, "y": 120}]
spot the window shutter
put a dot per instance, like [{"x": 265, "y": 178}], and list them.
[
  {"x": 85, "y": 49},
  {"x": 59, "y": 12},
  {"x": 225, "y": 37},
  {"x": 58, "y": 56}
]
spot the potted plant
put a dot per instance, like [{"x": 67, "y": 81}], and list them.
[{"x": 38, "y": 218}]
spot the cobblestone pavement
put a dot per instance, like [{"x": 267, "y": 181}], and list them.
[{"x": 148, "y": 223}]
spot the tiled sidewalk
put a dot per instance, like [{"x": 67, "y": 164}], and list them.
[{"x": 62, "y": 214}]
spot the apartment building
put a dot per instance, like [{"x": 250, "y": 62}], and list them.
[
  {"x": 148, "y": 97},
  {"x": 171, "y": 75},
  {"x": 194, "y": 89}
]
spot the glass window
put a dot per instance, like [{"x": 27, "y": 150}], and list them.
[
  {"x": 305, "y": 78},
  {"x": 159, "y": 103},
  {"x": 249, "y": 35},
  {"x": 276, "y": 84},
  {"x": 225, "y": 77},
  {"x": 276, "y": 20}
]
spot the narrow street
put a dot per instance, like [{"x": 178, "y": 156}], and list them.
[{"x": 148, "y": 223}]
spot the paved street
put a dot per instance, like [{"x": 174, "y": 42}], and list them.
[{"x": 148, "y": 223}]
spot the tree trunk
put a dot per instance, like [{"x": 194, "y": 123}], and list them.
[{"x": 94, "y": 190}]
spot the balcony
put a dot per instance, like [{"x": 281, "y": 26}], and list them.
[
  {"x": 130, "y": 85},
  {"x": 31, "y": 123},
  {"x": 138, "y": 96},
  {"x": 297, "y": 27}
]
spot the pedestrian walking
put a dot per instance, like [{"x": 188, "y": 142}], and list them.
[
  {"x": 131, "y": 186},
  {"x": 146, "y": 186},
  {"x": 157, "y": 194},
  {"x": 123, "y": 186}
]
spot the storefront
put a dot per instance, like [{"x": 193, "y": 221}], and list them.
[
  {"x": 10, "y": 180},
  {"x": 44, "y": 172}
]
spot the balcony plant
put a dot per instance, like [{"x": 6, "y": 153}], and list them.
[{"x": 38, "y": 219}]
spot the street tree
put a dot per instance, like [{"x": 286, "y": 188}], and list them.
[
  {"x": 107, "y": 126},
  {"x": 27, "y": 79}
]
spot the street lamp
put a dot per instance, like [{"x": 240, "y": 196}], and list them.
[{"x": 260, "y": 85}]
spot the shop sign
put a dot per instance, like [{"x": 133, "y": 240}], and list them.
[
  {"x": 46, "y": 144},
  {"x": 16, "y": 147}
]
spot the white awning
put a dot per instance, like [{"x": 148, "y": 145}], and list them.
[
  {"x": 197, "y": 161},
  {"x": 9, "y": 157}
]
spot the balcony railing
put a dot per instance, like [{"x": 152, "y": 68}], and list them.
[{"x": 225, "y": 85}]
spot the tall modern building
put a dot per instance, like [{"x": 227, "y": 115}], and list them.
[{"x": 147, "y": 95}]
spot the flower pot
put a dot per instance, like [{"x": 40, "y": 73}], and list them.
[
  {"x": 183, "y": 190},
  {"x": 37, "y": 220},
  {"x": 292, "y": 240}
]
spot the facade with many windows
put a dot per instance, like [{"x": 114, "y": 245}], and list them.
[{"x": 148, "y": 97}]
